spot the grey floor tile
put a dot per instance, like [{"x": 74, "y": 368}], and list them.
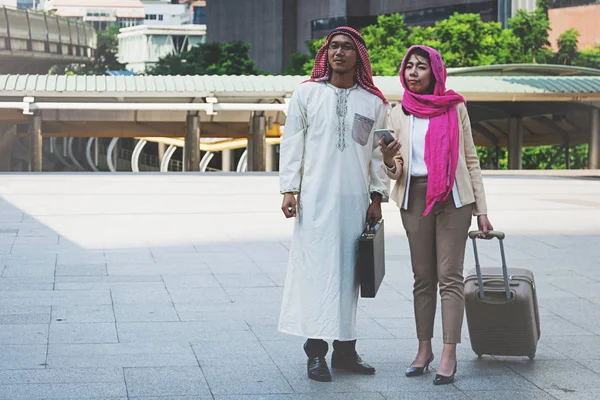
[
  {"x": 22, "y": 356},
  {"x": 240, "y": 377},
  {"x": 131, "y": 332},
  {"x": 82, "y": 314},
  {"x": 81, "y": 259},
  {"x": 594, "y": 365},
  {"x": 120, "y": 355},
  {"x": 17, "y": 315},
  {"x": 166, "y": 381},
  {"x": 576, "y": 347},
  {"x": 60, "y": 375},
  {"x": 156, "y": 269},
  {"x": 493, "y": 383},
  {"x": 26, "y": 283},
  {"x": 81, "y": 269},
  {"x": 560, "y": 375},
  {"x": 63, "y": 390},
  {"x": 452, "y": 395},
  {"x": 29, "y": 270},
  {"x": 211, "y": 351},
  {"x": 305, "y": 396},
  {"x": 177, "y": 282},
  {"x": 24, "y": 334},
  {"x": 141, "y": 296},
  {"x": 211, "y": 295},
  {"x": 55, "y": 297},
  {"x": 255, "y": 279},
  {"x": 145, "y": 313},
  {"x": 562, "y": 394},
  {"x": 509, "y": 394},
  {"x": 73, "y": 333},
  {"x": 172, "y": 398}
]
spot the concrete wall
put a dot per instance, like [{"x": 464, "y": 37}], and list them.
[
  {"x": 258, "y": 22},
  {"x": 309, "y": 10},
  {"x": 584, "y": 19}
]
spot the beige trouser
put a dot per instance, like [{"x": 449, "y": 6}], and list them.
[{"x": 437, "y": 250}]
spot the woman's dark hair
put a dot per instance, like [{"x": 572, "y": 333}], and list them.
[{"x": 421, "y": 53}]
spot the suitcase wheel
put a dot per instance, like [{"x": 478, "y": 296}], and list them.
[{"x": 531, "y": 356}]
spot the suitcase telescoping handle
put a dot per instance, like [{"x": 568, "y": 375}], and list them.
[{"x": 500, "y": 236}]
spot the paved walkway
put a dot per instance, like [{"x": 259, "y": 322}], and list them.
[{"x": 168, "y": 287}]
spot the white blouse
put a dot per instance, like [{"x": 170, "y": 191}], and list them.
[{"x": 417, "y": 166}]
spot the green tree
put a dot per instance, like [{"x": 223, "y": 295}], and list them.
[
  {"x": 297, "y": 64},
  {"x": 590, "y": 57},
  {"x": 567, "y": 47},
  {"x": 544, "y": 5},
  {"x": 106, "y": 56},
  {"x": 387, "y": 42},
  {"x": 208, "y": 59},
  {"x": 532, "y": 28},
  {"x": 465, "y": 41}
]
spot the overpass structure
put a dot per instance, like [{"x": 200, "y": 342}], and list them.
[
  {"x": 31, "y": 42},
  {"x": 191, "y": 111}
]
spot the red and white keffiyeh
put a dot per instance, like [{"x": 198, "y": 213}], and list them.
[{"x": 364, "y": 74}]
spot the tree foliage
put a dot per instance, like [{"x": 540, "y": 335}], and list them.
[
  {"x": 532, "y": 28},
  {"x": 208, "y": 59},
  {"x": 106, "y": 56},
  {"x": 567, "y": 47}
]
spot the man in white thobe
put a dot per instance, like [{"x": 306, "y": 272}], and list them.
[{"x": 331, "y": 161}]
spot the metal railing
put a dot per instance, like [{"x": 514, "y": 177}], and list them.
[{"x": 30, "y": 31}]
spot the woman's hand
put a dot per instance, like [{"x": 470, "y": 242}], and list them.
[
  {"x": 389, "y": 151},
  {"x": 484, "y": 225}
]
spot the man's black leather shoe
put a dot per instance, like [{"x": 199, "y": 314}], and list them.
[
  {"x": 351, "y": 362},
  {"x": 318, "y": 370}
]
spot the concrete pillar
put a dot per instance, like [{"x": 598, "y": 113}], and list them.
[
  {"x": 8, "y": 137},
  {"x": 35, "y": 142},
  {"x": 594, "y": 146},
  {"x": 270, "y": 158},
  {"x": 191, "y": 150},
  {"x": 161, "y": 151},
  {"x": 226, "y": 158},
  {"x": 515, "y": 143},
  {"x": 257, "y": 155}
]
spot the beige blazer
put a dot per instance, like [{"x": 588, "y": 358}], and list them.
[{"x": 468, "y": 172}]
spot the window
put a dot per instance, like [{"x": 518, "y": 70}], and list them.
[
  {"x": 572, "y": 3},
  {"x": 200, "y": 15},
  {"x": 160, "y": 17},
  {"x": 151, "y": 17}
]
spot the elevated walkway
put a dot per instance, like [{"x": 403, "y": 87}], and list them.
[{"x": 31, "y": 42}]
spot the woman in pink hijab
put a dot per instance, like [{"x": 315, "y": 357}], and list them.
[{"x": 438, "y": 188}]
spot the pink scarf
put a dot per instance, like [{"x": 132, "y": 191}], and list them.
[{"x": 441, "y": 139}]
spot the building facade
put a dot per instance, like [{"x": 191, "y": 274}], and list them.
[
  {"x": 100, "y": 13},
  {"x": 582, "y": 15},
  {"x": 167, "y": 12},
  {"x": 142, "y": 46},
  {"x": 278, "y": 28}
]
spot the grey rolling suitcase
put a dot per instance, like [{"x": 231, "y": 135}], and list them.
[{"x": 502, "y": 308}]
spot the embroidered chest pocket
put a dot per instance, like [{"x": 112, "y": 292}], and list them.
[{"x": 361, "y": 129}]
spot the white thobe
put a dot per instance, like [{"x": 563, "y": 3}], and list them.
[{"x": 329, "y": 157}]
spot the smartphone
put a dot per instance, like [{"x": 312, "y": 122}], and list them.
[{"x": 387, "y": 135}]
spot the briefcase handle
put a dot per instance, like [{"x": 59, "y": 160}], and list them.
[
  {"x": 500, "y": 236},
  {"x": 371, "y": 225},
  {"x": 371, "y": 229}
]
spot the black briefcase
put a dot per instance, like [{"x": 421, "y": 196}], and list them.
[{"x": 371, "y": 259}]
